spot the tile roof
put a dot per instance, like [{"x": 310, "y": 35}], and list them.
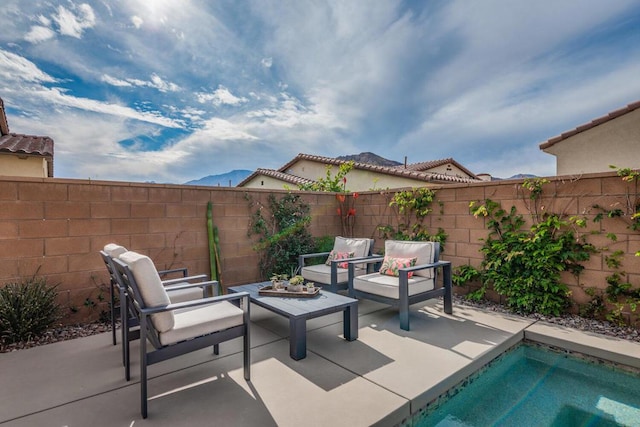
[
  {"x": 593, "y": 123},
  {"x": 424, "y": 166},
  {"x": 388, "y": 170},
  {"x": 31, "y": 145},
  {"x": 292, "y": 179}
]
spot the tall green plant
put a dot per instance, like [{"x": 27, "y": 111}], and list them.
[
  {"x": 282, "y": 230},
  {"x": 27, "y": 309},
  {"x": 411, "y": 208},
  {"x": 525, "y": 264}
]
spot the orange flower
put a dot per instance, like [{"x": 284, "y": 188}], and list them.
[
  {"x": 351, "y": 212},
  {"x": 340, "y": 197},
  {"x": 355, "y": 195},
  {"x": 339, "y": 211}
]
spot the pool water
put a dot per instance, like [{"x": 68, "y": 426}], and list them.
[{"x": 532, "y": 386}]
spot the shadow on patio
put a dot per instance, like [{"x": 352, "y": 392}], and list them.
[{"x": 380, "y": 379}]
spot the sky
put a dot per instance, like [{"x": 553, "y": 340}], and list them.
[{"x": 169, "y": 91}]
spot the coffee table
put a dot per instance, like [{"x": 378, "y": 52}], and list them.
[{"x": 298, "y": 310}]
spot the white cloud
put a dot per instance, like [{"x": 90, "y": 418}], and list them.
[
  {"x": 267, "y": 62},
  {"x": 137, "y": 21},
  {"x": 155, "y": 82},
  {"x": 114, "y": 81},
  {"x": 16, "y": 68},
  {"x": 72, "y": 24},
  {"x": 39, "y": 34},
  {"x": 221, "y": 96}
]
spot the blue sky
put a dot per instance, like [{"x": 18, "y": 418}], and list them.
[{"x": 170, "y": 91}]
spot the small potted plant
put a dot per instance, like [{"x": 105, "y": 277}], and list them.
[
  {"x": 311, "y": 287},
  {"x": 277, "y": 281},
  {"x": 295, "y": 283}
]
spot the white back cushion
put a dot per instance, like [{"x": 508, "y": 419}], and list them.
[
  {"x": 424, "y": 251},
  {"x": 114, "y": 250},
  {"x": 359, "y": 246},
  {"x": 150, "y": 287}
]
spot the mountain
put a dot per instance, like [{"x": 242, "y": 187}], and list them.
[
  {"x": 229, "y": 179},
  {"x": 370, "y": 158}
]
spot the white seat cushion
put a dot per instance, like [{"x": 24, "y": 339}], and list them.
[
  {"x": 201, "y": 321},
  {"x": 321, "y": 273},
  {"x": 388, "y": 286},
  {"x": 423, "y": 251},
  {"x": 114, "y": 250},
  {"x": 150, "y": 287}
]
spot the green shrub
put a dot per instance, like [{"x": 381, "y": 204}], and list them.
[
  {"x": 282, "y": 227},
  {"x": 27, "y": 309}
]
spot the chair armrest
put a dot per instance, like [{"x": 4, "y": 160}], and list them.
[
  {"x": 304, "y": 256},
  {"x": 182, "y": 270},
  {"x": 363, "y": 260},
  {"x": 184, "y": 279},
  {"x": 425, "y": 266},
  {"x": 209, "y": 284},
  {"x": 196, "y": 303}
]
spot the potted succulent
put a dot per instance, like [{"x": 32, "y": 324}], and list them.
[
  {"x": 295, "y": 283},
  {"x": 310, "y": 287},
  {"x": 277, "y": 281}
]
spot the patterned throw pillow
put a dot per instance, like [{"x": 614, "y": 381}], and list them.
[
  {"x": 334, "y": 255},
  {"x": 390, "y": 265}
]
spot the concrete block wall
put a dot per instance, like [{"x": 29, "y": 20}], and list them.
[{"x": 55, "y": 227}]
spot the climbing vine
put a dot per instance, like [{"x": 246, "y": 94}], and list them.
[
  {"x": 410, "y": 209},
  {"x": 282, "y": 229},
  {"x": 619, "y": 293},
  {"x": 524, "y": 264}
]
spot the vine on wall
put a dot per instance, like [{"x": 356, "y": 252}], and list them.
[
  {"x": 524, "y": 264},
  {"x": 410, "y": 209},
  {"x": 282, "y": 227},
  {"x": 620, "y": 294}
]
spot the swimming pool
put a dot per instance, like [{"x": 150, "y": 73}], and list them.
[{"x": 533, "y": 386}]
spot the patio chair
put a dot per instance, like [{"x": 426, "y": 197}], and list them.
[
  {"x": 174, "y": 329},
  {"x": 407, "y": 275},
  {"x": 178, "y": 292},
  {"x": 332, "y": 274}
]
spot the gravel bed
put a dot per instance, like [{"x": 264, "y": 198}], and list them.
[{"x": 64, "y": 333}]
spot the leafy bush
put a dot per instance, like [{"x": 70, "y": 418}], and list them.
[
  {"x": 27, "y": 309},
  {"x": 525, "y": 265},
  {"x": 282, "y": 227}
]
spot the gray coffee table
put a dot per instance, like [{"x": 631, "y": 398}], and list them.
[{"x": 298, "y": 310}]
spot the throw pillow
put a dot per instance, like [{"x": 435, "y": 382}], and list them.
[
  {"x": 336, "y": 255},
  {"x": 391, "y": 265}
]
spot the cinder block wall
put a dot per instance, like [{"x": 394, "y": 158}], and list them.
[{"x": 55, "y": 227}]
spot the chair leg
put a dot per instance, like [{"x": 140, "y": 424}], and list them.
[
  {"x": 247, "y": 354},
  {"x": 113, "y": 312},
  {"x": 143, "y": 366},
  {"x": 216, "y": 349}
]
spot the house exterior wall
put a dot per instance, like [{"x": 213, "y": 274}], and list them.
[
  {"x": 262, "y": 181},
  {"x": 615, "y": 142},
  {"x": 55, "y": 227},
  {"x": 12, "y": 165},
  {"x": 449, "y": 169}
]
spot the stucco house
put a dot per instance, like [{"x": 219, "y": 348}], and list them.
[
  {"x": 613, "y": 139},
  {"x": 24, "y": 155},
  {"x": 307, "y": 168}
]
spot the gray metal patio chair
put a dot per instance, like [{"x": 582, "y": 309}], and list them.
[
  {"x": 332, "y": 275},
  {"x": 408, "y": 274},
  {"x": 178, "y": 292},
  {"x": 174, "y": 329}
]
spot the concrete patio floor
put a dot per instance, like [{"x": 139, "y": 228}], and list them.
[{"x": 380, "y": 379}]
